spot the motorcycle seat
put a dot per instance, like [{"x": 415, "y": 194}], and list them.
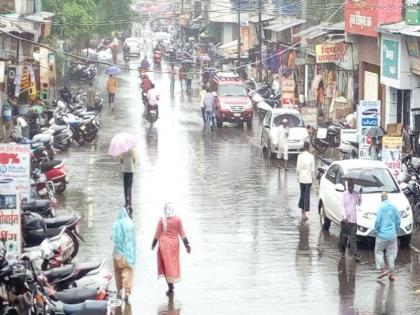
[
  {"x": 36, "y": 204},
  {"x": 88, "y": 266},
  {"x": 58, "y": 272},
  {"x": 49, "y": 165},
  {"x": 43, "y": 137},
  {"x": 76, "y": 295},
  {"x": 88, "y": 307},
  {"x": 327, "y": 161},
  {"x": 35, "y": 237},
  {"x": 60, "y": 221},
  {"x": 58, "y": 128}
]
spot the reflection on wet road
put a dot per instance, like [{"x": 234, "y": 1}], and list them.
[{"x": 250, "y": 252}]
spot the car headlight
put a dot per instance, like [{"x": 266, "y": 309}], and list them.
[
  {"x": 248, "y": 105},
  {"x": 405, "y": 213},
  {"x": 369, "y": 215},
  {"x": 223, "y": 105}
]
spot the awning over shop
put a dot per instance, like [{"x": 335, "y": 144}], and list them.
[
  {"x": 284, "y": 23},
  {"x": 264, "y": 18},
  {"x": 312, "y": 32},
  {"x": 230, "y": 50},
  {"x": 400, "y": 28}
]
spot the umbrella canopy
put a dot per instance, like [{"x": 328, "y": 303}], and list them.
[
  {"x": 375, "y": 132},
  {"x": 363, "y": 178},
  {"x": 121, "y": 143},
  {"x": 113, "y": 70}
]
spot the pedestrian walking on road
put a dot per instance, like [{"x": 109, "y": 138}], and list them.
[
  {"x": 128, "y": 164},
  {"x": 201, "y": 97},
  {"x": 111, "y": 87},
  {"x": 209, "y": 108},
  {"x": 387, "y": 225},
  {"x": 189, "y": 77},
  {"x": 351, "y": 199},
  {"x": 168, "y": 231},
  {"x": 283, "y": 146},
  {"x": 172, "y": 77},
  {"x": 305, "y": 171},
  {"x": 181, "y": 77},
  {"x": 124, "y": 239}
]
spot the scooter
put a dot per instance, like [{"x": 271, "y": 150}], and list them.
[{"x": 152, "y": 113}]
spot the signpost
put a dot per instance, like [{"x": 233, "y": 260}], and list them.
[
  {"x": 368, "y": 115},
  {"x": 14, "y": 187}
]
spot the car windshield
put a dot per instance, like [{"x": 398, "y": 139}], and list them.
[
  {"x": 293, "y": 120},
  {"x": 388, "y": 183},
  {"x": 232, "y": 90}
]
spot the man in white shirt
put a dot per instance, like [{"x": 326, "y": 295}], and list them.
[
  {"x": 153, "y": 98},
  {"x": 305, "y": 173},
  {"x": 283, "y": 137},
  {"x": 201, "y": 97}
]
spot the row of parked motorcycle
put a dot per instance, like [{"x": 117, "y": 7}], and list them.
[{"x": 44, "y": 280}]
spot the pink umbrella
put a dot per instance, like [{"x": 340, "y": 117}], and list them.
[{"x": 121, "y": 143}]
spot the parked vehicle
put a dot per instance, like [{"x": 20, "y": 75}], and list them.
[
  {"x": 82, "y": 72},
  {"x": 324, "y": 137},
  {"x": 134, "y": 46},
  {"x": 331, "y": 191},
  {"x": 232, "y": 101},
  {"x": 297, "y": 131},
  {"x": 56, "y": 172}
]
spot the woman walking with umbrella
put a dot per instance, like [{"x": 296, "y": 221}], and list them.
[
  {"x": 122, "y": 146},
  {"x": 112, "y": 85},
  {"x": 168, "y": 230}
]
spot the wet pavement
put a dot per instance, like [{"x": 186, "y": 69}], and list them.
[{"x": 251, "y": 254}]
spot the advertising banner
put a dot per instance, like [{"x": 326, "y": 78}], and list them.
[
  {"x": 15, "y": 162},
  {"x": 368, "y": 115},
  {"x": 288, "y": 92},
  {"x": 391, "y": 153},
  {"x": 390, "y": 52},
  {"x": 14, "y": 187}
]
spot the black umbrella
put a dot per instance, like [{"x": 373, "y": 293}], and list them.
[
  {"x": 363, "y": 178},
  {"x": 375, "y": 132}
]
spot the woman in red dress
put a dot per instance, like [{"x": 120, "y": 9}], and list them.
[{"x": 168, "y": 230}]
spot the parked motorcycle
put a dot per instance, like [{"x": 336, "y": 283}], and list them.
[
  {"x": 56, "y": 172},
  {"x": 324, "y": 137},
  {"x": 82, "y": 72}
]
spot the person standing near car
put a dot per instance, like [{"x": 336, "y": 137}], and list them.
[
  {"x": 111, "y": 87},
  {"x": 305, "y": 173},
  {"x": 387, "y": 225},
  {"x": 201, "y": 97},
  {"x": 351, "y": 199},
  {"x": 209, "y": 110},
  {"x": 283, "y": 146}
]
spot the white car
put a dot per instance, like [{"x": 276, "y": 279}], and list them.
[
  {"x": 331, "y": 190},
  {"x": 134, "y": 45},
  {"x": 297, "y": 130}
]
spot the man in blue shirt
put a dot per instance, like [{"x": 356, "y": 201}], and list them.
[{"x": 387, "y": 225}]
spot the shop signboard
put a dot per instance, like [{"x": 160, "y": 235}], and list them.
[
  {"x": 390, "y": 54},
  {"x": 363, "y": 16},
  {"x": 415, "y": 65},
  {"x": 14, "y": 187},
  {"x": 368, "y": 115},
  {"x": 330, "y": 52},
  {"x": 391, "y": 153}
]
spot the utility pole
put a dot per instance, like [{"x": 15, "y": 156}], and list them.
[
  {"x": 239, "y": 32},
  {"x": 260, "y": 40},
  {"x": 182, "y": 19}
]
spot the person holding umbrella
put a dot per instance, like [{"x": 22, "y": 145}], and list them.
[
  {"x": 111, "y": 88},
  {"x": 351, "y": 199},
  {"x": 122, "y": 146}
]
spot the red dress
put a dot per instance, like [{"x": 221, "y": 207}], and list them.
[{"x": 168, "y": 251}]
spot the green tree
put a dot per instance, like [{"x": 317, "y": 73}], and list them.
[{"x": 114, "y": 10}]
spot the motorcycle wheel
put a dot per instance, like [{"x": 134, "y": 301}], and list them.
[
  {"x": 63, "y": 146},
  {"x": 75, "y": 243},
  {"x": 60, "y": 186},
  {"x": 318, "y": 145},
  {"x": 80, "y": 138}
]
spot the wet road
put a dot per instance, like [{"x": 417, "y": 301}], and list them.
[{"x": 250, "y": 252}]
